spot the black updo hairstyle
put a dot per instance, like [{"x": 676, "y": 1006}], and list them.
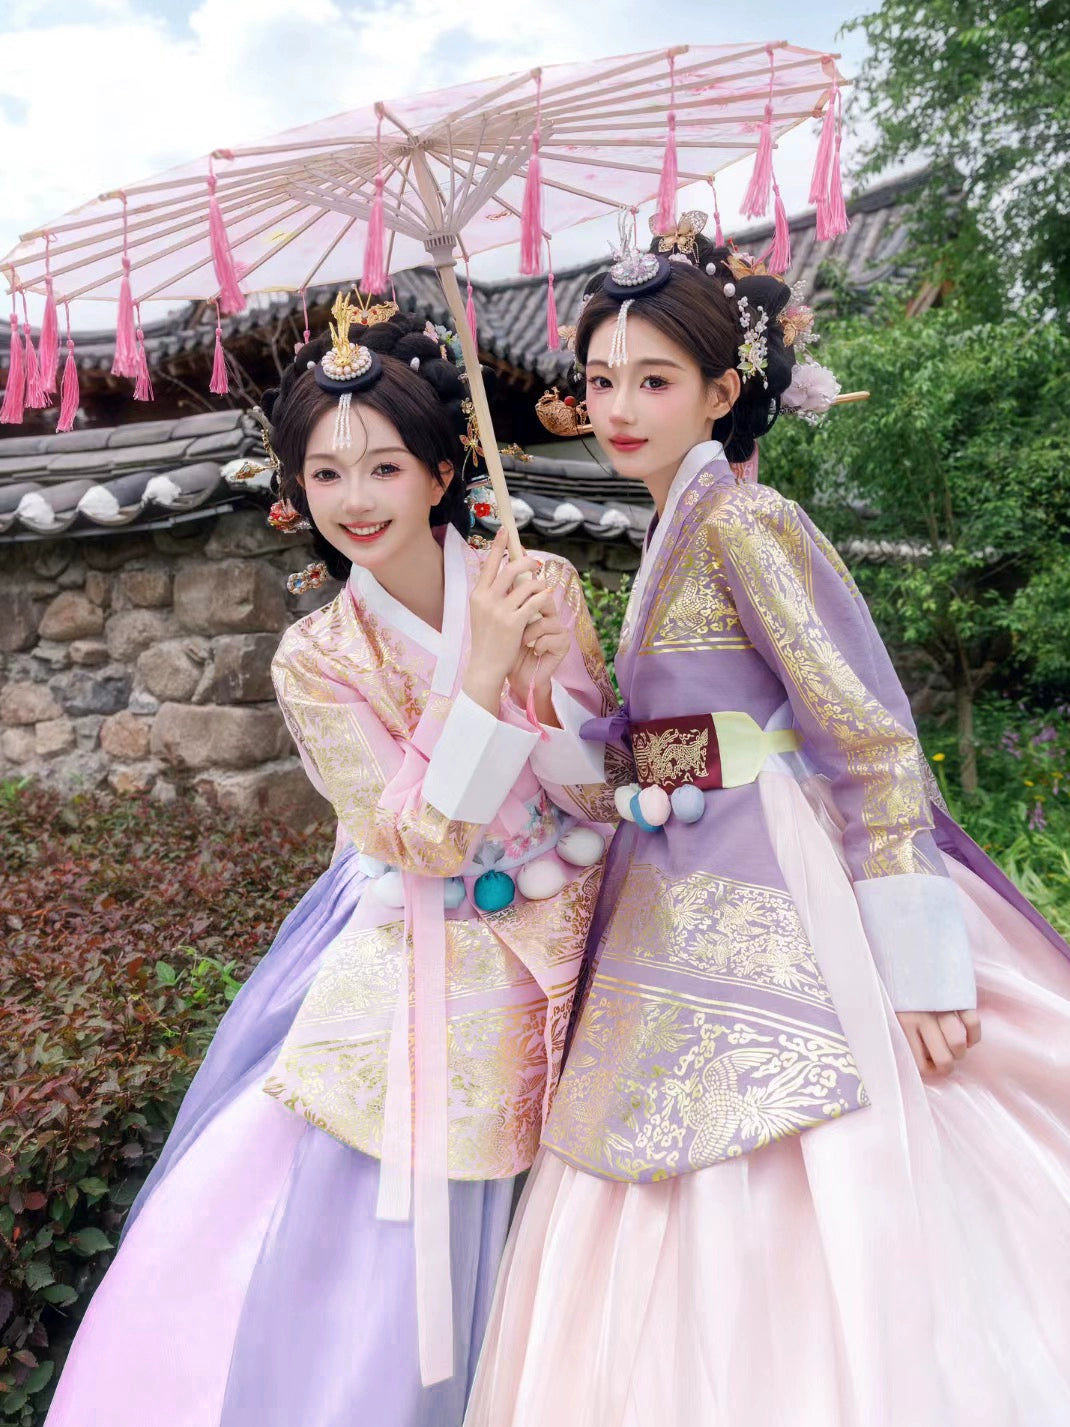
[
  {"x": 693, "y": 311},
  {"x": 424, "y": 405}
]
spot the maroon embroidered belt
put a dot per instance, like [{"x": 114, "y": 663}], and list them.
[{"x": 721, "y": 750}]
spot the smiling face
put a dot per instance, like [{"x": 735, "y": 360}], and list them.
[
  {"x": 372, "y": 501},
  {"x": 649, "y": 413}
]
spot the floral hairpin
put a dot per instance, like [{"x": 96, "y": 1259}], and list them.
[
  {"x": 286, "y": 517},
  {"x": 265, "y": 436},
  {"x": 682, "y": 238},
  {"x": 754, "y": 349},
  {"x": 797, "y": 324}
]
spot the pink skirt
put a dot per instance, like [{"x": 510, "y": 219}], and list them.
[{"x": 908, "y": 1266}]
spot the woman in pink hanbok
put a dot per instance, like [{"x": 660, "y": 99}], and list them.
[
  {"x": 318, "y": 1243},
  {"x": 809, "y": 1160}
]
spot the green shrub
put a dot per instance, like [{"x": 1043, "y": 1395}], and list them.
[
  {"x": 126, "y": 929},
  {"x": 1021, "y": 813}
]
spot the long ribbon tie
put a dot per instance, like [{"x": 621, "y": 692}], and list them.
[{"x": 414, "y": 1168}]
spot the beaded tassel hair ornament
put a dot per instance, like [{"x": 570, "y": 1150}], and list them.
[{"x": 634, "y": 271}]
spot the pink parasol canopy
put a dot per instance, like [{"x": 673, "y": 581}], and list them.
[{"x": 353, "y": 198}]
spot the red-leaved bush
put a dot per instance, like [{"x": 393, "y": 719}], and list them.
[{"x": 126, "y": 927}]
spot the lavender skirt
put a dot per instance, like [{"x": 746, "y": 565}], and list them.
[{"x": 254, "y": 1286}]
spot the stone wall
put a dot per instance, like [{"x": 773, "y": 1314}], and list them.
[{"x": 142, "y": 661}]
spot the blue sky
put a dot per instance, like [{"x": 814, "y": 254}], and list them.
[{"x": 98, "y": 93}]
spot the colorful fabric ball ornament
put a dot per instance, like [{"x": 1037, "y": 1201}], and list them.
[
  {"x": 688, "y": 803},
  {"x": 655, "y": 806},
  {"x": 637, "y": 816},
  {"x": 390, "y": 889},
  {"x": 371, "y": 866},
  {"x": 453, "y": 893},
  {"x": 541, "y": 879},
  {"x": 580, "y": 846},
  {"x": 623, "y": 799},
  {"x": 494, "y": 891}
]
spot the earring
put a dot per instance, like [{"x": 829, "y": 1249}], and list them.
[{"x": 312, "y": 577}]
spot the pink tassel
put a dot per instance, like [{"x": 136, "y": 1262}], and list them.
[
  {"x": 143, "y": 385},
  {"x": 70, "y": 396},
  {"x": 307, "y": 335},
  {"x": 125, "y": 363},
  {"x": 11, "y": 411},
  {"x": 231, "y": 297},
  {"x": 219, "y": 383},
  {"x": 718, "y": 235},
  {"x": 531, "y": 216},
  {"x": 35, "y": 392},
  {"x": 666, "y": 214},
  {"x": 667, "y": 188},
  {"x": 48, "y": 343},
  {"x": 373, "y": 279},
  {"x": 832, "y": 220},
  {"x": 819, "y": 181},
  {"x": 470, "y": 313},
  {"x": 531, "y": 213},
  {"x": 779, "y": 255},
  {"x": 553, "y": 336},
  {"x": 756, "y": 198}
]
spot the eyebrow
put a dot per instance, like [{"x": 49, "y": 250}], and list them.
[
  {"x": 644, "y": 362},
  {"x": 332, "y": 457}
]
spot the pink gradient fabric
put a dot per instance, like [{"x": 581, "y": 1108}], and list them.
[
  {"x": 159, "y": 1332},
  {"x": 906, "y": 1266}
]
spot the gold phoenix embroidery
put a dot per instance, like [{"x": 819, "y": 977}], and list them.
[
  {"x": 726, "y": 1080},
  {"x": 670, "y": 756}
]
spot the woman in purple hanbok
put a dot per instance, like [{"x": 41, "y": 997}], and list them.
[
  {"x": 397, "y": 1048},
  {"x": 785, "y": 1180}
]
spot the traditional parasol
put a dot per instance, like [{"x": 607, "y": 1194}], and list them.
[{"x": 446, "y": 175}]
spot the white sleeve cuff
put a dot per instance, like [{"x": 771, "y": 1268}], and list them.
[
  {"x": 562, "y": 757},
  {"x": 475, "y": 763},
  {"x": 917, "y": 933}
]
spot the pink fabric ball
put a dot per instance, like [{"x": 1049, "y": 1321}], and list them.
[{"x": 655, "y": 806}]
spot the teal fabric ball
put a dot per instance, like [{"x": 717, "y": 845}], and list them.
[{"x": 494, "y": 891}]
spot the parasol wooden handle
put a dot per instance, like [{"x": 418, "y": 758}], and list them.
[{"x": 478, "y": 392}]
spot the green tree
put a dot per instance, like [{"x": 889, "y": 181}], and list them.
[
  {"x": 982, "y": 87},
  {"x": 955, "y": 475}
]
